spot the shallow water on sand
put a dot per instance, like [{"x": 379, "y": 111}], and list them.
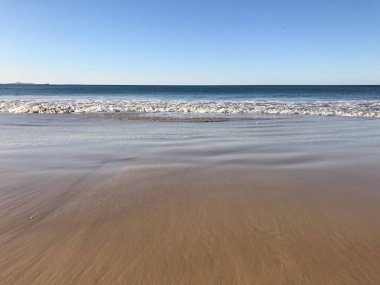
[{"x": 266, "y": 200}]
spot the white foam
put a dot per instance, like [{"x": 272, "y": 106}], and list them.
[{"x": 362, "y": 108}]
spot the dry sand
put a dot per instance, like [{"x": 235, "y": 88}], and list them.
[{"x": 189, "y": 225}]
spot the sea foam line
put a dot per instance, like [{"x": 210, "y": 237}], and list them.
[{"x": 362, "y": 108}]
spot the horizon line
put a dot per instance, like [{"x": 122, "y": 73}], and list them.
[{"x": 102, "y": 84}]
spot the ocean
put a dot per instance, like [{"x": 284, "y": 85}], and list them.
[{"x": 223, "y": 101}]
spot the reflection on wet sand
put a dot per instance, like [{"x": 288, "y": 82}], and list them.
[
  {"x": 178, "y": 212},
  {"x": 192, "y": 226}
]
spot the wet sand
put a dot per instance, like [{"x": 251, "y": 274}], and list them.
[{"x": 172, "y": 213}]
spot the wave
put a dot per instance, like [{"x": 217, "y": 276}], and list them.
[{"x": 361, "y": 108}]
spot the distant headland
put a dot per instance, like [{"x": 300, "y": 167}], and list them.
[{"x": 25, "y": 83}]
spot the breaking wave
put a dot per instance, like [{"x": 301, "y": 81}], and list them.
[{"x": 358, "y": 108}]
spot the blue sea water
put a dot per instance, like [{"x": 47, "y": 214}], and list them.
[{"x": 359, "y": 101}]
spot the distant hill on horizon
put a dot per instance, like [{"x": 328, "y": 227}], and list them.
[{"x": 24, "y": 83}]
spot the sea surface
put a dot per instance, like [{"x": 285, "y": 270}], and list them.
[{"x": 222, "y": 101}]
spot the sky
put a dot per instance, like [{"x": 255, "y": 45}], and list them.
[{"x": 190, "y": 42}]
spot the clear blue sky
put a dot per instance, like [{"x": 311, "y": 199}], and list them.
[{"x": 190, "y": 42}]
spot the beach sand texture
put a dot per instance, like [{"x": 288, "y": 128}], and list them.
[
  {"x": 189, "y": 226},
  {"x": 121, "y": 214}
]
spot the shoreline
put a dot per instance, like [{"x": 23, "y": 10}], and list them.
[{"x": 91, "y": 200}]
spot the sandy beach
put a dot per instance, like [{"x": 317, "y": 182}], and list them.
[{"x": 181, "y": 204}]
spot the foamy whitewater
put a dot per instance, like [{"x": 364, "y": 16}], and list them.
[
  {"x": 353, "y": 101},
  {"x": 325, "y": 108}
]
